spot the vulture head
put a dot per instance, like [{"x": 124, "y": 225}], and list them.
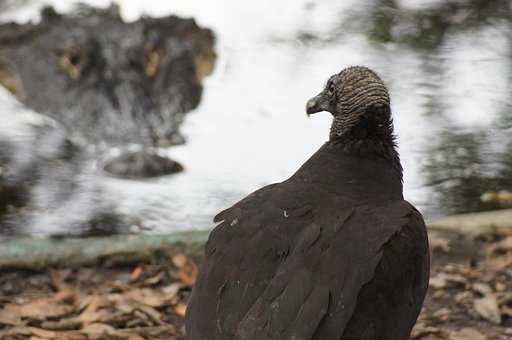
[{"x": 358, "y": 100}]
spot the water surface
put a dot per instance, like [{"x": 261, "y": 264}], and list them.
[{"x": 447, "y": 74}]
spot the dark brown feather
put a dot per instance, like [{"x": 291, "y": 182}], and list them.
[{"x": 334, "y": 252}]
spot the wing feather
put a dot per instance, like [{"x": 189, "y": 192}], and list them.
[{"x": 289, "y": 275}]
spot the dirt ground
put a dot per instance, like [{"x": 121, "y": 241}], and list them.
[{"x": 470, "y": 296}]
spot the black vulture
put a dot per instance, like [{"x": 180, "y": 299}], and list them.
[{"x": 334, "y": 252}]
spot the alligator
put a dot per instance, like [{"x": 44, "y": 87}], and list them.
[{"x": 108, "y": 82}]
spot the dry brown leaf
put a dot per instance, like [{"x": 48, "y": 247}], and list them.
[
  {"x": 71, "y": 323},
  {"x": 154, "y": 280},
  {"x": 443, "y": 280},
  {"x": 500, "y": 286},
  {"x": 146, "y": 296},
  {"x": 467, "y": 334},
  {"x": 187, "y": 269},
  {"x": 501, "y": 246},
  {"x": 65, "y": 295},
  {"x": 57, "y": 281},
  {"x": 439, "y": 295},
  {"x": 136, "y": 273},
  {"x": 487, "y": 308},
  {"x": 180, "y": 309},
  {"x": 44, "y": 308},
  {"x": 499, "y": 263},
  {"x": 482, "y": 288},
  {"x": 463, "y": 297},
  {"x": 40, "y": 309},
  {"x": 123, "y": 303},
  {"x": 20, "y": 331},
  {"x": 155, "y": 315},
  {"x": 98, "y": 328},
  {"x": 73, "y": 336},
  {"x": 179, "y": 260},
  {"x": 91, "y": 313},
  {"x": 135, "y": 337},
  {"x": 10, "y": 316},
  {"x": 420, "y": 331},
  {"x": 171, "y": 290},
  {"x": 43, "y": 333},
  {"x": 504, "y": 298},
  {"x": 442, "y": 314},
  {"x": 437, "y": 242},
  {"x": 506, "y": 310}
]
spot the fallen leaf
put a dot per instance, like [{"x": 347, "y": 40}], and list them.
[
  {"x": 43, "y": 333},
  {"x": 65, "y": 295},
  {"x": 44, "y": 308},
  {"x": 501, "y": 246},
  {"x": 154, "y": 280},
  {"x": 179, "y": 260},
  {"x": 58, "y": 283},
  {"x": 135, "y": 337},
  {"x": 136, "y": 273},
  {"x": 482, "y": 288},
  {"x": 146, "y": 296},
  {"x": 439, "y": 295},
  {"x": 467, "y": 334},
  {"x": 155, "y": 315},
  {"x": 171, "y": 290},
  {"x": 91, "y": 314},
  {"x": 499, "y": 263},
  {"x": 420, "y": 331},
  {"x": 437, "y": 242},
  {"x": 123, "y": 303},
  {"x": 443, "y": 280},
  {"x": 504, "y": 298},
  {"x": 487, "y": 308},
  {"x": 10, "y": 317},
  {"x": 500, "y": 287},
  {"x": 463, "y": 297},
  {"x": 180, "y": 309},
  {"x": 442, "y": 314},
  {"x": 187, "y": 269},
  {"x": 71, "y": 323},
  {"x": 506, "y": 310},
  {"x": 99, "y": 328}
]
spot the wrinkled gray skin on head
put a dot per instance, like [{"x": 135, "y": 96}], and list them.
[
  {"x": 350, "y": 95},
  {"x": 106, "y": 81}
]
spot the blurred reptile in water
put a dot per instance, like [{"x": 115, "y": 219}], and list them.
[{"x": 91, "y": 71}]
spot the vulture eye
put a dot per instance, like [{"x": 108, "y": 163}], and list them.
[{"x": 331, "y": 88}]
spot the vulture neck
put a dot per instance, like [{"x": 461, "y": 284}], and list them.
[
  {"x": 371, "y": 125},
  {"x": 364, "y": 156}
]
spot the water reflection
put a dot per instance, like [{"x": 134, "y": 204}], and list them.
[
  {"x": 447, "y": 64},
  {"x": 427, "y": 28},
  {"x": 461, "y": 163}
]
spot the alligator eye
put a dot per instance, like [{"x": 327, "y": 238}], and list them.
[
  {"x": 9, "y": 80},
  {"x": 70, "y": 61},
  {"x": 151, "y": 59}
]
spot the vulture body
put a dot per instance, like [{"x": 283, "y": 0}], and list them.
[{"x": 332, "y": 253}]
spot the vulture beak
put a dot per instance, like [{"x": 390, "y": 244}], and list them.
[{"x": 318, "y": 103}]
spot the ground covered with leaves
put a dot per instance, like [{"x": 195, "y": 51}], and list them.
[
  {"x": 470, "y": 296},
  {"x": 470, "y": 290},
  {"x": 144, "y": 301}
]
